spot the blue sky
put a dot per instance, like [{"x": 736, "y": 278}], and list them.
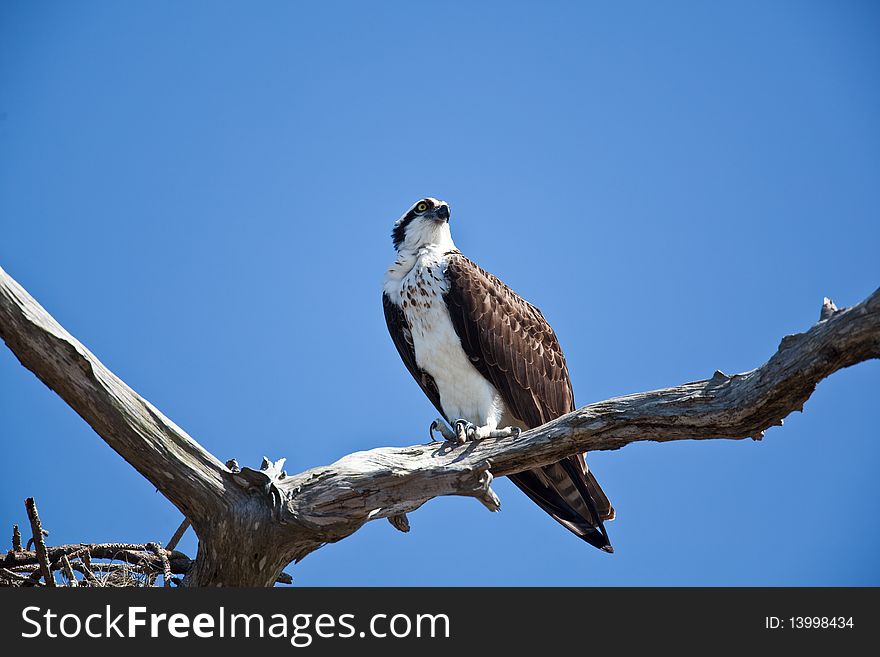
[{"x": 203, "y": 193}]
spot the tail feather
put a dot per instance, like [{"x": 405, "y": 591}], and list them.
[
  {"x": 571, "y": 495},
  {"x": 603, "y": 504}
]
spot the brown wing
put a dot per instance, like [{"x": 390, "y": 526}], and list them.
[
  {"x": 399, "y": 329},
  {"x": 512, "y": 345},
  {"x": 509, "y": 342}
]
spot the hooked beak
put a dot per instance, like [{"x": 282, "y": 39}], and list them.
[{"x": 441, "y": 213}]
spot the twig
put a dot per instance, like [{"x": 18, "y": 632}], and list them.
[
  {"x": 15, "y": 577},
  {"x": 86, "y": 563},
  {"x": 68, "y": 571},
  {"x": 30, "y": 541},
  {"x": 25, "y": 568},
  {"x": 166, "y": 565},
  {"x": 16, "y": 539},
  {"x": 35, "y": 576},
  {"x": 178, "y": 534},
  {"x": 40, "y": 544}
]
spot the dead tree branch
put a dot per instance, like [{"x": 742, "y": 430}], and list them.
[
  {"x": 39, "y": 543},
  {"x": 252, "y": 523}
]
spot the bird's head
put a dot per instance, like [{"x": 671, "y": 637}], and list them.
[{"x": 426, "y": 223}]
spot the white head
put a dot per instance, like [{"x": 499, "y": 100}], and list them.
[{"x": 426, "y": 223}]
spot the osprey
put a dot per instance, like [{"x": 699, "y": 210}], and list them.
[{"x": 487, "y": 359}]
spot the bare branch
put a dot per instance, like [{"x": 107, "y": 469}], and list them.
[
  {"x": 179, "y": 467},
  {"x": 86, "y": 568},
  {"x": 15, "y": 579},
  {"x": 175, "y": 539},
  {"x": 16, "y": 539},
  {"x": 39, "y": 543},
  {"x": 252, "y": 523},
  {"x": 68, "y": 571},
  {"x": 385, "y": 482}
]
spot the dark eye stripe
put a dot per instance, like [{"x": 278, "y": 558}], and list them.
[{"x": 399, "y": 231}]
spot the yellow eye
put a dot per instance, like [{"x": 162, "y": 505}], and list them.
[{"x": 421, "y": 207}]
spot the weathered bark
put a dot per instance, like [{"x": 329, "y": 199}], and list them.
[
  {"x": 252, "y": 523},
  {"x": 39, "y": 544}
]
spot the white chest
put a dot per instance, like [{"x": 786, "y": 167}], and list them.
[{"x": 464, "y": 392}]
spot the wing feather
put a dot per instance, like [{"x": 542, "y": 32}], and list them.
[
  {"x": 518, "y": 348},
  {"x": 513, "y": 346}
]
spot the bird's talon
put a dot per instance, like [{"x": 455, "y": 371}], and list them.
[
  {"x": 464, "y": 431},
  {"x": 440, "y": 425}
]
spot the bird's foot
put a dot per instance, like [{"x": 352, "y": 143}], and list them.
[
  {"x": 440, "y": 425},
  {"x": 506, "y": 432},
  {"x": 464, "y": 431}
]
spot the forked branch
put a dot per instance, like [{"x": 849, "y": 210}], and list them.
[{"x": 251, "y": 523}]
